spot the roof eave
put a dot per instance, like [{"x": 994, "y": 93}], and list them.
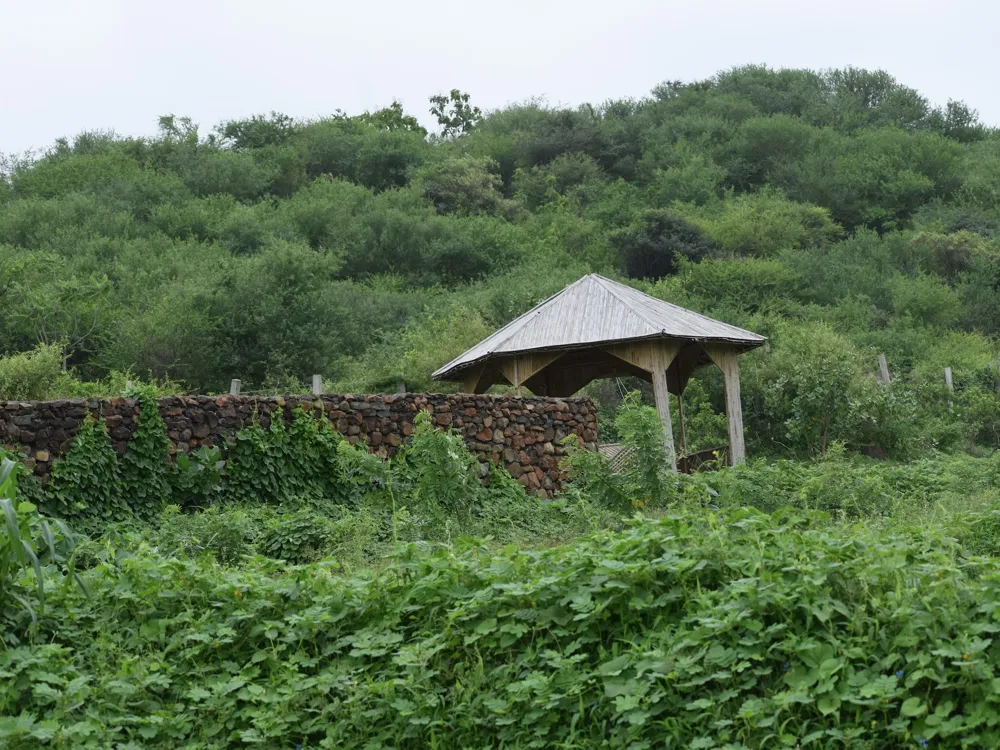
[{"x": 449, "y": 371}]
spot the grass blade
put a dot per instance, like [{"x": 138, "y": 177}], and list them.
[
  {"x": 33, "y": 558},
  {"x": 13, "y": 530}
]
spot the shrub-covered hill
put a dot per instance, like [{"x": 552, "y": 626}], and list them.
[
  {"x": 840, "y": 213},
  {"x": 713, "y": 630}
]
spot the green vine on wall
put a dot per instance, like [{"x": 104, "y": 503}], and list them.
[
  {"x": 279, "y": 464},
  {"x": 144, "y": 467},
  {"x": 87, "y": 482}
]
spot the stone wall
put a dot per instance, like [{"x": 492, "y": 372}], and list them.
[{"x": 522, "y": 434}]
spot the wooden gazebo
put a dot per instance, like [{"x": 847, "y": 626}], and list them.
[{"x": 597, "y": 328}]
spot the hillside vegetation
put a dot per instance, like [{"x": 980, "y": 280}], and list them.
[
  {"x": 839, "y": 213},
  {"x": 297, "y": 591}
]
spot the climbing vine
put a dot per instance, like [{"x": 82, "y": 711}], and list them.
[
  {"x": 87, "y": 482},
  {"x": 144, "y": 467}
]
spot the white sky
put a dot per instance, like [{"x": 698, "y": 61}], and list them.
[{"x": 73, "y": 65}]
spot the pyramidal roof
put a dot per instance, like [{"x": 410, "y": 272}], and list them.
[{"x": 592, "y": 311}]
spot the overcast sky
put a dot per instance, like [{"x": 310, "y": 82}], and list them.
[{"x": 73, "y": 65}]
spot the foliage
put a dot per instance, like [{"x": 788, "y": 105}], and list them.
[
  {"x": 800, "y": 604},
  {"x": 144, "y": 469},
  {"x": 87, "y": 482},
  {"x": 227, "y": 534},
  {"x": 811, "y": 380},
  {"x": 454, "y": 113},
  {"x": 643, "y": 481},
  {"x": 27, "y": 542},
  {"x": 650, "y": 247},
  {"x": 465, "y": 185},
  {"x": 196, "y": 478},
  {"x": 30, "y": 376},
  {"x": 304, "y": 536},
  {"x": 278, "y": 464}
]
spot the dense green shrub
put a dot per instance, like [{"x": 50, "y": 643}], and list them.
[
  {"x": 703, "y": 629},
  {"x": 227, "y": 533},
  {"x": 31, "y": 375},
  {"x": 196, "y": 478},
  {"x": 643, "y": 480}
]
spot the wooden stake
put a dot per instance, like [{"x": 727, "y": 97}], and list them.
[
  {"x": 234, "y": 387},
  {"x": 883, "y": 372}
]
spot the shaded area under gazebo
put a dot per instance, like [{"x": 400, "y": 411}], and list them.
[{"x": 597, "y": 328}]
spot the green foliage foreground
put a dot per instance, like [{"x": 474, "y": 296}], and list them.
[{"x": 700, "y": 629}]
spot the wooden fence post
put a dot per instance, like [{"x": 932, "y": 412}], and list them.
[
  {"x": 951, "y": 389},
  {"x": 317, "y": 385},
  {"x": 883, "y": 372},
  {"x": 234, "y": 387}
]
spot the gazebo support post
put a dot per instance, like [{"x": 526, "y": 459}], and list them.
[
  {"x": 661, "y": 357},
  {"x": 680, "y": 423},
  {"x": 726, "y": 360}
]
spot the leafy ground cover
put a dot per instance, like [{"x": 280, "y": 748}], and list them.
[
  {"x": 854, "y": 606},
  {"x": 704, "y": 629}
]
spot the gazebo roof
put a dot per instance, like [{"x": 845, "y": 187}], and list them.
[{"x": 597, "y": 311}]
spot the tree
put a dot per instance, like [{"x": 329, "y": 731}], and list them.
[
  {"x": 464, "y": 185},
  {"x": 65, "y": 313},
  {"x": 393, "y": 118},
  {"x": 257, "y": 131},
  {"x": 454, "y": 113},
  {"x": 649, "y": 248}
]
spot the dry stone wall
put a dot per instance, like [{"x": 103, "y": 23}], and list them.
[{"x": 522, "y": 434}]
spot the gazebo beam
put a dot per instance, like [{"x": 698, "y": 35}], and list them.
[
  {"x": 524, "y": 366},
  {"x": 471, "y": 381},
  {"x": 725, "y": 357}
]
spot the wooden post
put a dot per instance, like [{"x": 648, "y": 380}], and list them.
[
  {"x": 680, "y": 424},
  {"x": 517, "y": 376},
  {"x": 660, "y": 359},
  {"x": 400, "y": 384},
  {"x": 234, "y": 387},
  {"x": 951, "y": 388},
  {"x": 883, "y": 372},
  {"x": 726, "y": 360},
  {"x": 317, "y": 385},
  {"x": 662, "y": 396}
]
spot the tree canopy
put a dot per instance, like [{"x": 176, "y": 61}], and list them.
[{"x": 359, "y": 246}]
